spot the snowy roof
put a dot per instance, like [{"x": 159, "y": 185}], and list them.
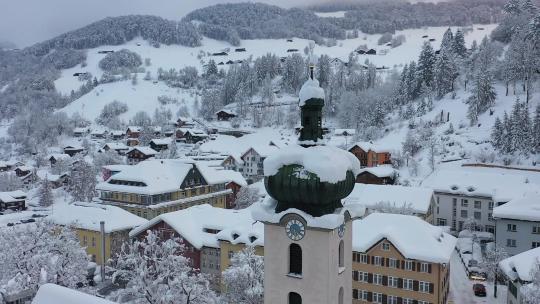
[
  {"x": 330, "y": 164},
  {"x": 265, "y": 212},
  {"x": 263, "y": 150},
  {"x": 309, "y": 90},
  {"x": 502, "y": 187},
  {"x": 116, "y": 167},
  {"x": 520, "y": 265},
  {"x": 88, "y": 215},
  {"x": 118, "y": 133},
  {"x": 58, "y": 156},
  {"x": 25, "y": 168},
  {"x": 227, "y": 111},
  {"x": 344, "y": 131},
  {"x": 412, "y": 236},
  {"x": 195, "y": 225},
  {"x": 144, "y": 150},
  {"x": 55, "y": 294},
  {"x": 525, "y": 207},
  {"x": 116, "y": 146},
  {"x": 11, "y": 196},
  {"x": 419, "y": 199},
  {"x": 9, "y": 163},
  {"x": 161, "y": 141},
  {"x": 196, "y": 132},
  {"x": 159, "y": 176},
  {"x": 366, "y": 146},
  {"x": 44, "y": 174},
  {"x": 134, "y": 128},
  {"x": 99, "y": 131},
  {"x": 380, "y": 171},
  {"x": 213, "y": 176},
  {"x": 73, "y": 147},
  {"x": 80, "y": 130}
]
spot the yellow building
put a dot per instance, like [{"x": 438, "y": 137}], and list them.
[
  {"x": 155, "y": 187},
  {"x": 85, "y": 219}
]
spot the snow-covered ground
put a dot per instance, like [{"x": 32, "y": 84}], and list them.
[{"x": 337, "y": 14}]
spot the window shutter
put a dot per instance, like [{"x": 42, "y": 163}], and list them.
[
  {"x": 399, "y": 300},
  {"x": 429, "y": 267},
  {"x": 384, "y": 299},
  {"x": 369, "y": 296},
  {"x": 368, "y": 259},
  {"x": 385, "y": 281},
  {"x": 400, "y": 283},
  {"x": 415, "y": 285},
  {"x": 431, "y": 287},
  {"x": 402, "y": 264},
  {"x": 372, "y": 259},
  {"x": 370, "y": 278},
  {"x": 418, "y": 268},
  {"x": 415, "y": 301},
  {"x": 355, "y": 293},
  {"x": 387, "y": 262},
  {"x": 413, "y": 266},
  {"x": 355, "y": 275}
]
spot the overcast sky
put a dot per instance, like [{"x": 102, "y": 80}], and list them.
[{"x": 25, "y": 22}]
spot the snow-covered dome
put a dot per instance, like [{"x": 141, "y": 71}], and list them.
[{"x": 309, "y": 90}]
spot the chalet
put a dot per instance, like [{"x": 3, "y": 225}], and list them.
[
  {"x": 193, "y": 136},
  {"x": 371, "y": 52},
  {"x": 138, "y": 154},
  {"x": 78, "y": 74},
  {"x": 117, "y": 134},
  {"x": 23, "y": 171},
  {"x": 9, "y": 165},
  {"x": 157, "y": 131},
  {"x": 105, "y": 52},
  {"x": 361, "y": 52},
  {"x": 168, "y": 133},
  {"x": 54, "y": 158},
  {"x": 233, "y": 163},
  {"x": 184, "y": 122},
  {"x": 221, "y": 63},
  {"x": 202, "y": 229},
  {"x": 13, "y": 200},
  {"x": 153, "y": 187},
  {"x": 119, "y": 148},
  {"x": 230, "y": 62},
  {"x": 133, "y": 132},
  {"x": 253, "y": 160},
  {"x": 225, "y": 115},
  {"x": 520, "y": 270},
  {"x": 239, "y": 61},
  {"x": 380, "y": 175},
  {"x": 110, "y": 170},
  {"x": 72, "y": 150},
  {"x": 98, "y": 134},
  {"x": 55, "y": 180},
  {"x": 235, "y": 182},
  {"x": 132, "y": 142},
  {"x": 292, "y": 50},
  {"x": 220, "y": 54},
  {"x": 371, "y": 155},
  {"x": 80, "y": 132},
  {"x": 160, "y": 144}
]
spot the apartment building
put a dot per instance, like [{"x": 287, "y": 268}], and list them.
[
  {"x": 394, "y": 265},
  {"x": 519, "y": 271}
]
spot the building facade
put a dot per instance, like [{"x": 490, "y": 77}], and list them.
[
  {"x": 455, "y": 209},
  {"x": 371, "y": 155}
]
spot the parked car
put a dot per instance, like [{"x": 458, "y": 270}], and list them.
[
  {"x": 28, "y": 221},
  {"x": 479, "y": 290},
  {"x": 10, "y": 224},
  {"x": 35, "y": 215}
]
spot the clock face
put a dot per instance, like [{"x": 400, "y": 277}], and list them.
[
  {"x": 295, "y": 230},
  {"x": 341, "y": 230}
]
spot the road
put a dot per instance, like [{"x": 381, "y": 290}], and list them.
[{"x": 461, "y": 287}]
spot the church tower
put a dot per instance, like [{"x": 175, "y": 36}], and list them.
[{"x": 308, "y": 237}]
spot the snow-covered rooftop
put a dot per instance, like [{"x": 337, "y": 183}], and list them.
[
  {"x": 144, "y": 150},
  {"x": 366, "y": 146},
  {"x": 309, "y": 90},
  {"x": 263, "y": 150},
  {"x": 380, "y": 171},
  {"x": 116, "y": 146},
  {"x": 88, "y": 215},
  {"x": 526, "y": 207},
  {"x": 265, "y": 212},
  {"x": 520, "y": 265},
  {"x": 502, "y": 187},
  {"x": 58, "y": 156},
  {"x": 412, "y": 236},
  {"x": 11, "y": 196},
  {"x": 161, "y": 141},
  {"x": 55, "y": 294},
  {"x": 419, "y": 199},
  {"x": 198, "y": 225},
  {"x": 330, "y": 164}
]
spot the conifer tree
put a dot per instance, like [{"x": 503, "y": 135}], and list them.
[
  {"x": 497, "y": 134},
  {"x": 426, "y": 63},
  {"x": 458, "y": 45},
  {"x": 536, "y": 131},
  {"x": 45, "y": 195},
  {"x": 445, "y": 73},
  {"x": 483, "y": 95},
  {"x": 447, "y": 40}
]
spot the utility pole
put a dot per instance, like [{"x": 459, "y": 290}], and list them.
[{"x": 102, "y": 268}]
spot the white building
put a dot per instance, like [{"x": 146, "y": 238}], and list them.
[
  {"x": 518, "y": 224},
  {"x": 253, "y": 160},
  {"x": 394, "y": 199},
  {"x": 519, "y": 271},
  {"x": 464, "y": 194},
  {"x": 55, "y": 294}
]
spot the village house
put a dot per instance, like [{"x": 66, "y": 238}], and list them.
[
  {"x": 119, "y": 148},
  {"x": 519, "y": 270},
  {"x": 55, "y": 180},
  {"x": 110, "y": 170},
  {"x": 253, "y": 160},
  {"x": 381, "y": 175},
  {"x": 9, "y": 165},
  {"x": 132, "y": 142},
  {"x": 80, "y": 132},
  {"x": 371, "y": 155},
  {"x": 396, "y": 265},
  {"x": 72, "y": 150},
  {"x": 98, "y": 134},
  {"x": 138, "y": 154},
  {"x": 133, "y": 132},
  {"x": 471, "y": 194},
  {"x": 184, "y": 122},
  {"x": 13, "y": 200},
  {"x": 211, "y": 235},
  {"x": 26, "y": 174},
  {"x": 85, "y": 218},
  {"x": 193, "y": 136},
  {"x": 225, "y": 114},
  {"x": 518, "y": 224},
  {"x": 415, "y": 201},
  {"x": 154, "y": 187},
  {"x": 56, "y": 157},
  {"x": 160, "y": 144},
  {"x": 117, "y": 135}
]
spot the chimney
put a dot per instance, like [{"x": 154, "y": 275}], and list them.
[{"x": 311, "y": 69}]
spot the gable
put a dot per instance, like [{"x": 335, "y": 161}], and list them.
[{"x": 193, "y": 178}]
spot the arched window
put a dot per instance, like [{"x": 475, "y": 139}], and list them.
[
  {"x": 340, "y": 296},
  {"x": 294, "y": 298},
  {"x": 341, "y": 254},
  {"x": 295, "y": 259}
]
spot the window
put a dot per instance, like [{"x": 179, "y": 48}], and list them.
[
  {"x": 385, "y": 246},
  {"x": 363, "y": 276},
  {"x": 408, "y": 284},
  {"x": 355, "y": 294},
  {"x": 477, "y": 205},
  {"x": 340, "y": 296},
  {"x": 295, "y": 260},
  {"x": 454, "y": 202},
  {"x": 363, "y": 295},
  {"x": 464, "y": 214},
  {"x": 423, "y": 287},
  {"x": 510, "y": 243},
  {"x": 464, "y": 203},
  {"x": 393, "y": 282},
  {"x": 535, "y": 244},
  {"x": 341, "y": 255},
  {"x": 377, "y": 297},
  {"x": 408, "y": 301},
  {"x": 392, "y": 263},
  {"x": 441, "y": 222},
  {"x": 511, "y": 227},
  {"x": 490, "y": 216},
  {"x": 294, "y": 298},
  {"x": 490, "y": 205},
  {"x": 363, "y": 258},
  {"x": 377, "y": 279},
  {"x": 477, "y": 215},
  {"x": 392, "y": 300},
  {"x": 85, "y": 240},
  {"x": 377, "y": 261},
  {"x": 536, "y": 230},
  {"x": 93, "y": 241},
  {"x": 424, "y": 267},
  {"x": 408, "y": 265}
]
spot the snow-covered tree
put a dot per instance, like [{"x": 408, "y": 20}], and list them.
[
  {"x": 530, "y": 293},
  {"x": 497, "y": 134},
  {"x": 447, "y": 40},
  {"x": 483, "y": 95},
  {"x": 244, "y": 279},
  {"x": 173, "y": 149},
  {"x": 82, "y": 182},
  {"x": 490, "y": 264},
  {"x": 38, "y": 254},
  {"x": 458, "y": 45},
  {"x": 45, "y": 196},
  {"x": 426, "y": 63},
  {"x": 445, "y": 73},
  {"x": 536, "y": 131},
  {"x": 106, "y": 158},
  {"x": 411, "y": 145},
  {"x": 10, "y": 182},
  {"x": 246, "y": 197},
  {"x": 154, "y": 271}
]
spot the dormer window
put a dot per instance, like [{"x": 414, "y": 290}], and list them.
[
  {"x": 235, "y": 236},
  {"x": 252, "y": 239}
]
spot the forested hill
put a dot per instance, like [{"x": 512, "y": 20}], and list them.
[{"x": 232, "y": 22}]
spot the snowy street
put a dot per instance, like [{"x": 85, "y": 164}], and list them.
[{"x": 461, "y": 291}]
